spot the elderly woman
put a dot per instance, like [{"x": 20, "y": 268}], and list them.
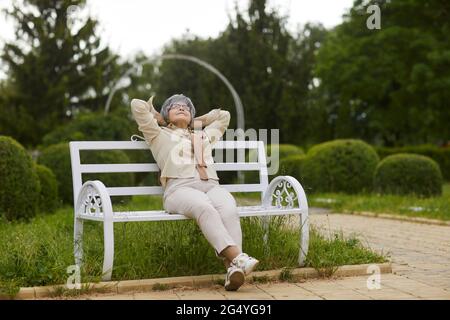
[{"x": 190, "y": 182}]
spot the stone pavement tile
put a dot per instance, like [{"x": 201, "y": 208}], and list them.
[
  {"x": 112, "y": 297},
  {"x": 349, "y": 295},
  {"x": 437, "y": 298},
  {"x": 353, "y": 282},
  {"x": 434, "y": 293},
  {"x": 385, "y": 293},
  {"x": 322, "y": 286},
  {"x": 426, "y": 292},
  {"x": 156, "y": 295},
  {"x": 201, "y": 294},
  {"x": 250, "y": 292},
  {"x": 395, "y": 278},
  {"x": 430, "y": 266},
  {"x": 287, "y": 291}
]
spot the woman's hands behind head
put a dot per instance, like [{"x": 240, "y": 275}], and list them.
[{"x": 155, "y": 113}]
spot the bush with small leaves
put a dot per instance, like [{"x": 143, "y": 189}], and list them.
[
  {"x": 19, "y": 183},
  {"x": 276, "y": 152},
  {"x": 57, "y": 158},
  {"x": 408, "y": 174},
  {"x": 345, "y": 165},
  {"x": 48, "y": 197}
]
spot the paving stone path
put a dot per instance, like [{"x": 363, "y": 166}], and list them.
[{"x": 420, "y": 252}]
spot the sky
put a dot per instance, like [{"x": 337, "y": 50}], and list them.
[{"x": 129, "y": 26}]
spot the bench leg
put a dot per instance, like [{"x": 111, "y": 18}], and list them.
[
  {"x": 108, "y": 259},
  {"x": 266, "y": 222},
  {"x": 304, "y": 239},
  {"x": 78, "y": 241}
]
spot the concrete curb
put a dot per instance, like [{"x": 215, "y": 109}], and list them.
[
  {"x": 398, "y": 217},
  {"x": 198, "y": 281}
]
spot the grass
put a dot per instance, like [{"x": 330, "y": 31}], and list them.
[
  {"x": 38, "y": 252},
  {"x": 261, "y": 279},
  {"x": 62, "y": 291},
  {"x": 329, "y": 251},
  {"x": 412, "y": 206},
  {"x": 160, "y": 287},
  {"x": 286, "y": 275}
]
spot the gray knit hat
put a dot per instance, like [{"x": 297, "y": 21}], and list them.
[{"x": 177, "y": 98}]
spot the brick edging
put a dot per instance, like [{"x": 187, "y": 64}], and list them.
[{"x": 200, "y": 281}]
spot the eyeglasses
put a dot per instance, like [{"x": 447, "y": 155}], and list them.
[{"x": 178, "y": 106}]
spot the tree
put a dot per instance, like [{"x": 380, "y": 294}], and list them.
[
  {"x": 389, "y": 86},
  {"x": 56, "y": 68},
  {"x": 300, "y": 120},
  {"x": 256, "y": 58},
  {"x": 270, "y": 68}
]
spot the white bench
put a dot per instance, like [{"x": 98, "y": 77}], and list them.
[{"x": 92, "y": 199}]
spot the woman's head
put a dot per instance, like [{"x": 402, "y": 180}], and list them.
[{"x": 179, "y": 110}]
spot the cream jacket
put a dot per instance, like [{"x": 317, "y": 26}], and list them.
[{"x": 171, "y": 146}]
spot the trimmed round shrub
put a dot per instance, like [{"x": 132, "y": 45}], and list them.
[
  {"x": 439, "y": 154},
  {"x": 100, "y": 127},
  {"x": 284, "y": 151},
  {"x": 408, "y": 174},
  {"x": 57, "y": 158},
  {"x": 92, "y": 127},
  {"x": 110, "y": 179},
  {"x": 48, "y": 197},
  {"x": 345, "y": 165},
  {"x": 292, "y": 166},
  {"x": 19, "y": 183}
]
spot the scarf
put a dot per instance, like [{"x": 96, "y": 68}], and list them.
[{"x": 197, "y": 145}]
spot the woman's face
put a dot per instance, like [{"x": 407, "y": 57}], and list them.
[{"x": 179, "y": 114}]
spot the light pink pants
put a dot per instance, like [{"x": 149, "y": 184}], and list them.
[{"x": 212, "y": 206}]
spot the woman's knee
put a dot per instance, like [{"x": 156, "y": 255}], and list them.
[
  {"x": 222, "y": 199},
  {"x": 229, "y": 212}
]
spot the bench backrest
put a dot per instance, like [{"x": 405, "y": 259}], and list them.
[{"x": 78, "y": 168}]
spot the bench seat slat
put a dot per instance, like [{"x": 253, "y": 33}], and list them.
[
  {"x": 130, "y": 191},
  {"x": 157, "y": 215},
  {"x": 153, "y": 167}
]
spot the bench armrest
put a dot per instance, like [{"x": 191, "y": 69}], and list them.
[
  {"x": 285, "y": 189},
  {"x": 94, "y": 200}
]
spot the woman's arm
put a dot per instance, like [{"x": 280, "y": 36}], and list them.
[
  {"x": 207, "y": 118},
  {"x": 156, "y": 114},
  {"x": 146, "y": 121},
  {"x": 216, "y": 122}
]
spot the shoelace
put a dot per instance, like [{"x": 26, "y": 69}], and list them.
[{"x": 240, "y": 259}]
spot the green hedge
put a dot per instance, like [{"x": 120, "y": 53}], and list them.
[
  {"x": 440, "y": 155},
  {"x": 98, "y": 127},
  {"x": 339, "y": 166},
  {"x": 92, "y": 127},
  {"x": 48, "y": 197},
  {"x": 284, "y": 151},
  {"x": 292, "y": 166},
  {"x": 408, "y": 174},
  {"x": 19, "y": 183},
  {"x": 57, "y": 158}
]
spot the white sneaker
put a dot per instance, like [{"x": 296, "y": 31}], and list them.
[
  {"x": 246, "y": 263},
  {"x": 234, "y": 279}
]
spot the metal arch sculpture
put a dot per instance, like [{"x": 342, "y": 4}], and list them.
[{"x": 237, "y": 101}]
